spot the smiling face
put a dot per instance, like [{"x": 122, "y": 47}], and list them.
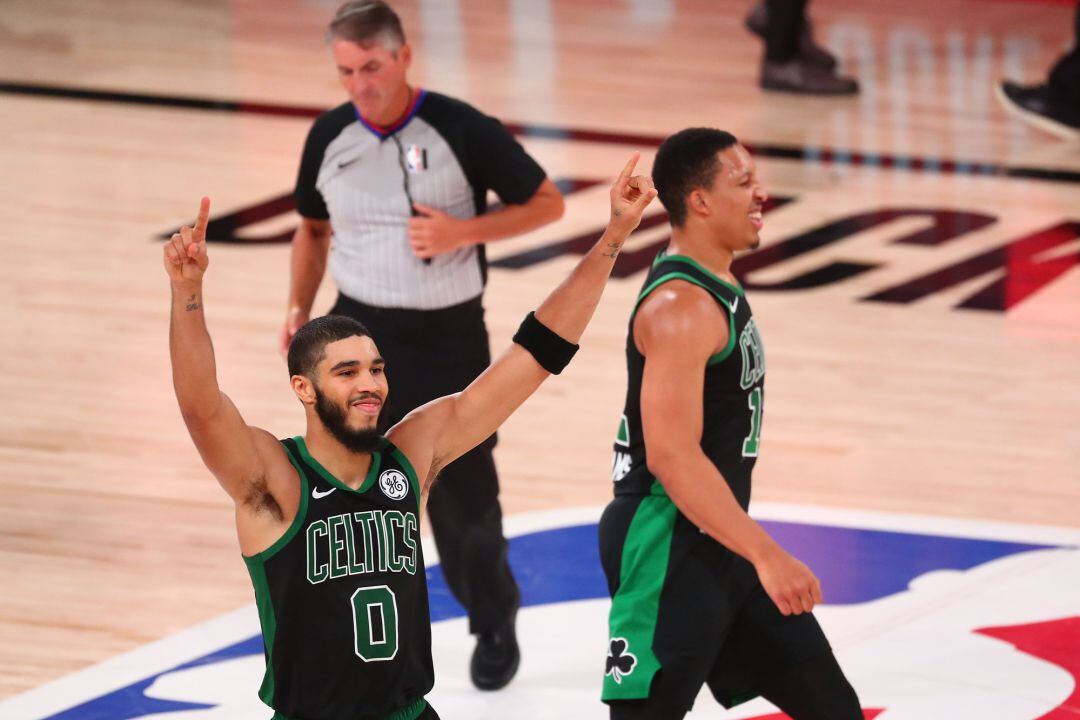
[
  {"x": 732, "y": 206},
  {"x": 350, "y": 391}
]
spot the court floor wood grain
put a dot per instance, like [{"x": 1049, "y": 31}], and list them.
[{"x": 112, "y": 533}]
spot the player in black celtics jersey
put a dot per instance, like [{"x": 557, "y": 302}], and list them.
[
  {"x": 328, "y": 522},
  {"x": 700, "y": 593}
]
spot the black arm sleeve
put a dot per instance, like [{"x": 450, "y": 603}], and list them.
[
  {"x": 309, "y": 201},
  {"x": 499, "y": 163},
  {"x": 489, "y": 155}
]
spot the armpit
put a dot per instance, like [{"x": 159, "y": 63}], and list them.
[{"x": 260, "y": 501}]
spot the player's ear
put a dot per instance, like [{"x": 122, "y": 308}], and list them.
[
  {"x": 697, "y": 203},
  {"x": 304, "y": 389},
  {"x": 405, "y": 55}
]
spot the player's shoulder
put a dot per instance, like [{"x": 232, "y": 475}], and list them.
[
  {"x": 678, "y": 311},
  {"x": 276, "y": 465},
  {"x": 678, "y": 299}
]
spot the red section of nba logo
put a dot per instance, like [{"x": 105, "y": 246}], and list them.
[{"x": 1055, "y": 641}]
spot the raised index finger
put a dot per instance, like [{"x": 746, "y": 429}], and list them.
[
  {"x": 203, "y": 218},
  {"x": 628, "y": 169}
]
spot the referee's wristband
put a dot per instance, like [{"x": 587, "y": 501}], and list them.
[{"x": 551, "y": 351}]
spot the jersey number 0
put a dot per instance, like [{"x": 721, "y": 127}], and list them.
[{"x": 375, "y": 623}]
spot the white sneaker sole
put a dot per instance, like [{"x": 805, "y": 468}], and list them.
[{"x": 1032, "y": 118}]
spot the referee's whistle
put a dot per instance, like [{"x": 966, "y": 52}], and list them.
[{"x": 416, "y": 213}]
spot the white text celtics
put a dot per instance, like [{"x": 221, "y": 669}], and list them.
[{"x": 372, "y": 541}]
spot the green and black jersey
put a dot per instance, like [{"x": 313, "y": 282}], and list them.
[
  {"x": 734, "y": 389},
  {"x": 676, "y": 592},
  {"x": 342, "y": 597}
]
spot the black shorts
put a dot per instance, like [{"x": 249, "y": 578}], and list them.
[{"x": 686, "y": 610}]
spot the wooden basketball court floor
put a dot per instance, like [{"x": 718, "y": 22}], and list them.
[{"x": 918, "y": 292}]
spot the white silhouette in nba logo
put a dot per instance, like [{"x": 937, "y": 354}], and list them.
[{"x": 394, "y": 484}]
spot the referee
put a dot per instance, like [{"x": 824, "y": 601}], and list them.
[{"x": 393, "y": 189}]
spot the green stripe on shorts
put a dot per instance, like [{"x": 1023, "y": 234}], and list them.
[{"x": 631, "y": 663}]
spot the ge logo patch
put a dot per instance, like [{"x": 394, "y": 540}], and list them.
[
  {"x": 394, "y": 484},
  {"x": 620, "y": 661}
]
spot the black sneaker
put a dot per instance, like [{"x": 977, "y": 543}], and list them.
[
  {"x": 496, "y": 658},
  {"x": 800, "y": 76},
  {"x": 1037, "y": 105},
  {"x": 757, "y": 20}
]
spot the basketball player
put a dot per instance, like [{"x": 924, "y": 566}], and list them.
[
  {"x": 328, "y": 522},
  {"x": 700, "y": 592}
]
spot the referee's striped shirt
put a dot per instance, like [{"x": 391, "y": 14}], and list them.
[{"x": 443, "y": 153}]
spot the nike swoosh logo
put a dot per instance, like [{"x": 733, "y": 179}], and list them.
[
  {"x": 316, "y": 494},
  {"x": 734, "y": 306},
  {"x": 346, "y": 163}
]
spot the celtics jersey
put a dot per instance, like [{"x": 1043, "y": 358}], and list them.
[
  {"x": 342, "y": 597},
  {"x": 734, "y": 389}
]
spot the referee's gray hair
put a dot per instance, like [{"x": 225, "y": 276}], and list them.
[{"x": 366, "y": 22}]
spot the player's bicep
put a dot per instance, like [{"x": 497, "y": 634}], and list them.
[
  {"x": 417, "y": 435},
  {"x": 229, "y": 448},
  {"x": 677, "y": 330},
  {"x": 482, "y": 407},
  {"x": 445, "y": 429},
  {"x": 671, "y": 407}
]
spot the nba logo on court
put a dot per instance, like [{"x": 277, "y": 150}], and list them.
[{"x": 952, "y": 620}]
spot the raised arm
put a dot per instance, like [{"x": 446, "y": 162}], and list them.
[
  {"x": 234, "y": 452},
  {"x": 441, "y": 431},
  {"x": 678, "y": 328}
]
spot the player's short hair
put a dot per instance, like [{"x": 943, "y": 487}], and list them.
[
  {"x": 308, "y": 346},
  {"x": 684, "y": 162},
  {"x": 367, "y": 22}
]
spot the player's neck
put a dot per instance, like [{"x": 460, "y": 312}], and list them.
[
  {"x": 703, "y": 250},
  {"x": 347, "y": 466}
]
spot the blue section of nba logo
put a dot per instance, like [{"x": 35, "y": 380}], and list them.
[{"x": 563, "y": 565}]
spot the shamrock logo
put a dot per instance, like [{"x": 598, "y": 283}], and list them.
[{"x": 619, "y": 660}]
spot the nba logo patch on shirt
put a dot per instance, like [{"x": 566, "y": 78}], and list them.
[{"x": 416, "y": 158}]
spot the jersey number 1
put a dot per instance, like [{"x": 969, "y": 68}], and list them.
[
  {"x": 375, "y": 623},
  {"x": 750, "y": 444}
]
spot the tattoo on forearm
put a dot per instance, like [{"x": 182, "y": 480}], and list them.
[
  {"x": 192, "y": 303},
  {"x": 612, "y": 249},
  {"x": 616, "y": 212}
]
